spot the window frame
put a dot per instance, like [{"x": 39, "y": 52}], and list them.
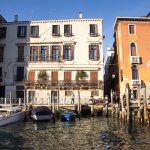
[
  {"x": 3, "y": 31},
  {"x": 92, "y": 48},
  {"x": 94, "y": 93},
  {"x": 55, "y": 58},
  {"x": 69, "y": 33},
  {"x": 20, "y": 59},
  {"x": 135, "y": 72},
  {"x": 130, "y": 30},
  {"x": 34, "y": 31},
  {"x": 21, "y": 77},
  {"x": 22, "y": 31},
  {"x": 54, "y": 33},
  {"x": 68, "y": 53},
  {"x": 95, "y": 29}
]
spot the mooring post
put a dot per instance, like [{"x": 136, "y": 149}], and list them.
[
  {"x": 127, "y": 101},
  {"x": 145, "y": 104},
  {"x": 79, "y": 105},
  {"x": 139, "y": 104},
  {"x": 112, "y": 106}
]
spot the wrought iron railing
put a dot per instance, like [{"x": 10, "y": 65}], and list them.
[{"x": 75, "y": 84}]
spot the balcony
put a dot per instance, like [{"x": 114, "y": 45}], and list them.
[
  {"x": 61, "y": 84},
  {"x": 135, "y": 59},
  {"x": 136, "y": 82}
]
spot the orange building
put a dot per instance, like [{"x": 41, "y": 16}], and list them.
[{"x": 132, "y": 55}]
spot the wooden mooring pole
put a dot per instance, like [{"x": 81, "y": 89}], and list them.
[
  {"x": 145, "y": 104},
  {"x": 127, "y": 102},
  {"x": 112, "y": 105}
]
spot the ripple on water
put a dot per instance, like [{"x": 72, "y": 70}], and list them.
[{"x": 86, "y": 134}]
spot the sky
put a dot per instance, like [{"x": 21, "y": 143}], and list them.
[{"x": 62, "y": 9}]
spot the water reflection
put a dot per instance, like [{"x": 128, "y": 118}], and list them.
[{"x": 84, "y": 134}]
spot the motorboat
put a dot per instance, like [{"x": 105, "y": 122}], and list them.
[
  {"x": 11, "y": 115},
  {"x": 41, "y": 113},
  {"x": 68, "y": 115}
]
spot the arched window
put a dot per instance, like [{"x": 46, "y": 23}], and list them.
[
  {"x": 135, "y": 73},
  {"x": 133, "y": 49}
]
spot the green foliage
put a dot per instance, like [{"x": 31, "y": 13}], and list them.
[
  {"x": 42, "y": 75},
  {"x": 81, "y": 75}
]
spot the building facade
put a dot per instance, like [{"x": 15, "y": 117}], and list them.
[
  {"x": 52, "y": 59},
  {"x": 132, "y": 55},
  {"x": 63, "y": 49},
  {"x": 13, "y": 54}
]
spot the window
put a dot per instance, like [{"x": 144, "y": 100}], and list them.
[
  {"x": 21, "y": 31},
  {"x": 132, "y": 29},
  {"x": 54, "y": 76},
  {"x": 67, "y": 52},
  {"x": 55, "y": 53},
  {"x": 34, "y": 31},
  {"x": 68, "y": 93},
  {"x": 1, "y": 77},
  {"x": 31, "y": 75},
  {"x": 133, "y": 49},
  {"x": 56, "y": 30},
  {"x": 20, "y": 54},
  {"x": 93, "y": 52},
  {"x": 67, "y": 76},
  {"x": 93, "y": 30},
  {"x": 2, "y": 91},
  {"x": 135, "y": 73},
  {"x": 93, "y": 76},
  {"x": 67, "y": 30},
  {"x": 33, "y": 53},
  {"x": 3, "y": 32},
  {"x": 43, "y": 53},
  {"x": 19, "y": 91},
  {"x": 20, "y": 74},
  {"x": 1, "y": 54},
  {"x": 135, "y": 94},
  {"x": 31, "y": 96},
  {"x": 94, "y": 93}
]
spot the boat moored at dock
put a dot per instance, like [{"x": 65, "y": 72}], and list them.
[
  {"x": 41, "y": 113},
  {"x": 11, "y": 115}
]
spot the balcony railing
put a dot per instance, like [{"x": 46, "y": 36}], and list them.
[
  {"x": 136, "y": 82},
  {"x": 135, "y": 59},
  {"x": 45, "y": 58},
  {"x": 74, "y": 84}
]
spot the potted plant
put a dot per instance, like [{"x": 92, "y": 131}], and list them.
[
  {"x": 81, "y": 75},
  {"x": 42, "y": 75}
]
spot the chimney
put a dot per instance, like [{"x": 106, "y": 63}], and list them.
[
  {"x": 15, "y": 18},
  {"x": 80, "y": 15}
]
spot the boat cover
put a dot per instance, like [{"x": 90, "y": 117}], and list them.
[{"x": 41, "y": 110}]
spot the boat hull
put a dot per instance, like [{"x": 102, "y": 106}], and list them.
[
  {"x": 12, "y": 118},
  {"x": 42, "y": 117},
  {"x": 41, "y": 113}
]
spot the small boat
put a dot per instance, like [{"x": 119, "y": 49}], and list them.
[
  {"x": 41, "y": 113},
  {"x": 11, "y": 115},
  {"x": 68, "y": 116}
]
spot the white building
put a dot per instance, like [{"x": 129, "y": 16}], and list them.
[{"x": 61, "y": 48}]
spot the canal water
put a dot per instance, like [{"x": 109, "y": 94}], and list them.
[{"x": 86, "y": 134}]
